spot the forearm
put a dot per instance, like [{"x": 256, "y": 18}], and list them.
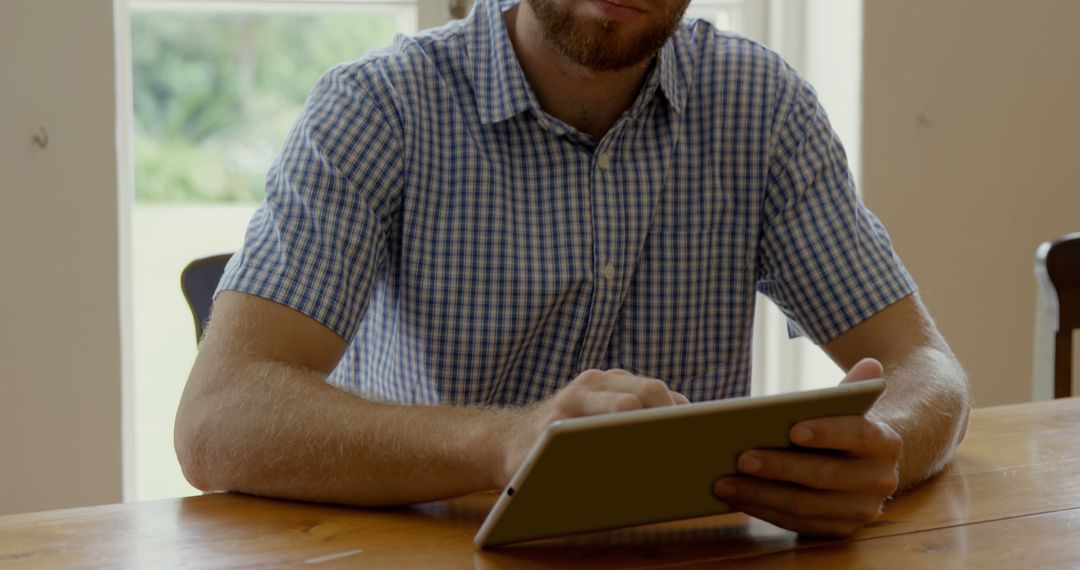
[
  {"x": 277, "y": 430},
  {"x": 927, "y": 404}
]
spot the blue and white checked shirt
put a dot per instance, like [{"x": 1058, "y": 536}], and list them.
[{"x": 473, "y": 249}]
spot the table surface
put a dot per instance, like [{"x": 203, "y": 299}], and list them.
[{"x": 1011, "y": 499}]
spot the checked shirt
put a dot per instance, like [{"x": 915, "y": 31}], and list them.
[{"x": 473, "y": 249}]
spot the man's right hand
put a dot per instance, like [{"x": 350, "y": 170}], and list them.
[{"x": 592, "y": 393}]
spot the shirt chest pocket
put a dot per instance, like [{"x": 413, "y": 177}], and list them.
[{"x": 688, "y": 309}]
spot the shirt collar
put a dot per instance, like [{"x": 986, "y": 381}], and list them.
[
  {"x": 674, "y": 65},
  {"x": 501, "y": 88}
]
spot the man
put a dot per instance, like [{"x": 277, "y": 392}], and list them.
[{"x": 556, "y": 209}]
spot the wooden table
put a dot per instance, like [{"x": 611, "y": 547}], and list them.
[{"x": 1010, "y": 500}]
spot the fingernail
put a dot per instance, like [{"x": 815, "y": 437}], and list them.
[
  {"x": 802, "y": 434},
  {"x": 724, "y": 488},
  {"x": 749, "y": 464}
]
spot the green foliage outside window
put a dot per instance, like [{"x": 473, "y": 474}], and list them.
[{"x": 215, "y": 93}]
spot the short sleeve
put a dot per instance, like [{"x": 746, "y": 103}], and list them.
[
  {"x": 824, "y": 258},
  {"x": 317, "y": 241}
]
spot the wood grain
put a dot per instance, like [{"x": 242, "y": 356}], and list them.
[
  {"x": 1036, "y": 541},
  {"x": 1015, "y": 471}
]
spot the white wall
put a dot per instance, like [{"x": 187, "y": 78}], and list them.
[
  {"x": 971, "y": 141},
  {"x": 60, "y": 392}
]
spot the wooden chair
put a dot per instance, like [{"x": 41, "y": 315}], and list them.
[
  {"x": 198, "y": 282},
  {"x": 1057, "y": 267}
]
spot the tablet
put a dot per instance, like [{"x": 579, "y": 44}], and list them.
[{"x": 648, "y": 466}]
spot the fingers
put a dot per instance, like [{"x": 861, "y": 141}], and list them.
[
  {"x": 855, "y": 435},
  {"x": 651, "y": 392},
  {"x": 814, "y": 493},
  {"x": 591, "y": 403},
  {"x": 596, "y": 392},
  {"x": 798, "y": 508},
  {"x": 816, "y": 471}
]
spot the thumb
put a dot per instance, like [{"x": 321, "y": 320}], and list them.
[{"x": 865, "y": 369}]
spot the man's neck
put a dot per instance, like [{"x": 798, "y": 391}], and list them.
[{"x": 590, "y": 101}]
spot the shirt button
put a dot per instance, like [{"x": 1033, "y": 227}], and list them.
[
  {"x": 604, "y": 161},
  {"x": 608, "y": 271}
]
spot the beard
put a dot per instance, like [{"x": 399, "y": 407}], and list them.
[{"x": 596, "y": 43}]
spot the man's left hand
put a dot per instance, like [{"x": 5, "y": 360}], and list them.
[{"x": 831, "y": 493}]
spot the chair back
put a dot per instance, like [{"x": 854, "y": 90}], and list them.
[
  {"x": 1057, "y": 268},
  {"x": 198, "y": 281}
]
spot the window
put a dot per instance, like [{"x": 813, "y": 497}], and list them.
[{"x": 214, "y": 86}]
